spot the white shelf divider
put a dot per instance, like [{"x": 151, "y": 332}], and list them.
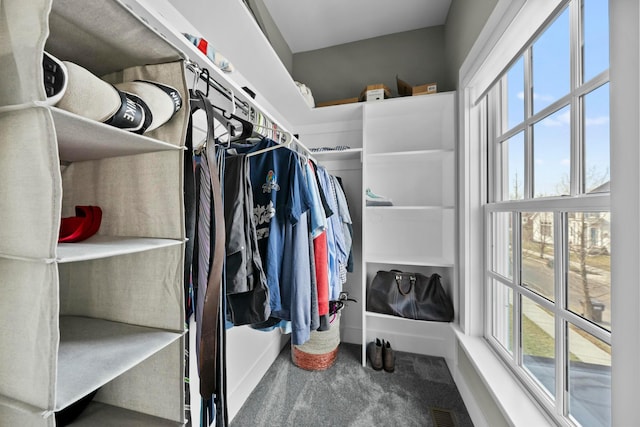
[
  {"x": 409, "y": 153},
  {"x": 402, "y": 319},
  {"x": 102, "y": 415},
  {"x": 80, "y": 139},
  {"x": 409, "y": 208},
  {"x": 373, "y": 258},
  {"x": 97, "y": 247},
  {"x": 330, "y": 155}
]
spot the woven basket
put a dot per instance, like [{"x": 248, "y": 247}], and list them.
[{"x": 321, "y": 351}]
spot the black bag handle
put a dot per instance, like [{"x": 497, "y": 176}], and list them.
[{"x": 412, "y": 281}]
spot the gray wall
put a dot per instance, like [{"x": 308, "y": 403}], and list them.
[
  {"x": 465, "y": 20},
  {"x": 421, "y": 56},
  {"x": 343, "y": 71},
  {"x": 266, "y": 22}
]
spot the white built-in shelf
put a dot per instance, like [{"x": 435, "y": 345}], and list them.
[
  {"x": 80, "y": 139},
  {"x": 374, "y": 258},
  {"x": 97, "y": 247},
  {"x": 92, "y": 352},
  {"x": 409, "y": 158},
  {"x": 99, "y": 414},
  {"x": 329, "y": 155}
]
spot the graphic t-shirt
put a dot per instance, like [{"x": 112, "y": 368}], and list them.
[{"x": 280, "y": 196}]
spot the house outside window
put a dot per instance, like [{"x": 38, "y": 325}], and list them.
[{"x": 547, "y": 215}]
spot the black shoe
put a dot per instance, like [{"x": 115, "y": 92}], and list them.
[
  {"x": 388, "y": 358},
  {"x": 374, "y": 353}
]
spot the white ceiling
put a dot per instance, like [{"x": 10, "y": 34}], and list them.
[{"x": 314, "y": 24}]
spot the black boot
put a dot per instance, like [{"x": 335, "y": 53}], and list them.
[
  {"x": 374, "y": 353},
  {"x": 388, "y": 358}
]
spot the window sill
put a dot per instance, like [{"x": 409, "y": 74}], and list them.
[{"x": 516, "y": 404}]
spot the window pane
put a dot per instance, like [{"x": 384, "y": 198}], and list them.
[
  {"x": 513, "y": 151},
  {"x": 596, "y": 37},
  {"x": 551, "y": 66},
  {"x": 538, "y": 344},
  {"x": 552, "y": 154},
  {"x": 596, "y": 140},
  {"x": 537, "y": 253},
  {"x": 515, "y": 94},
  {"x": 502, "y": 248},
  {"x": 503, "y": 315},
  {"x": 589, "y": 379},
  {"x": 589, "y": 277}
]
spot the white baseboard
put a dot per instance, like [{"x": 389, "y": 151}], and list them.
[
  {"x": 484, "y": 382},
  {"x": 250, "y": 354},
  {"x": 469, "y": 398},
  {"x": 351, "y": 335}
]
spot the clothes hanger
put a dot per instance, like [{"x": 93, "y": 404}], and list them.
[
  {"x": 199, "y": 100},
  {"x": 273, "y": 147},
  {"x": 246, "y": 127},
  {"x": 305, "y": 154},
  {"x": 269, "y": 129}
]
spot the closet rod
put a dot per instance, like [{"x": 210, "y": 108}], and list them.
[{"x": 245, "y": 106}]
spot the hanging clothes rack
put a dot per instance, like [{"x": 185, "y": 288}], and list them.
[
  {"x": 285, "y": 138},
  {"x": 203, "y": 74}
]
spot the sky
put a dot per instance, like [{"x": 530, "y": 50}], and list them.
[{"x": 550, "y": 82}]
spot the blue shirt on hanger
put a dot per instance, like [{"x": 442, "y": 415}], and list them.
[{"x": 280, "y": 196}]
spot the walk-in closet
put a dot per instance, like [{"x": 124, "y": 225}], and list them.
[{"x": 348, "y": 213}]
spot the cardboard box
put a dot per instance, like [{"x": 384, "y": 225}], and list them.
[
  {"x": 336, "y": 102},
  {"x": 375, "y": 93},
  {"x": 405, "y": 89}
]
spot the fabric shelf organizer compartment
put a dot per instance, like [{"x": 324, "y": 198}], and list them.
[{"x": 109, "y": 314}]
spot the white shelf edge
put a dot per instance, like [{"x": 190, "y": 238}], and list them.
[
  {"x": 410, "y": 208},
  {"x": 404, "y": 319},
  {"x": 99, "y": 414},
  {"x": 234, "y": 80},
  {"x": 433, "y": 151},
  {"x": 427, "y": 262},
  {"x": 335, "y": 113},
  {"x": 92, "y": 352},
  {"x": 351, "y": 153},
  {"x": 413, "y": 98},
  {"x": 97, "y": 247},
  {"x": 106, "y": 141}
]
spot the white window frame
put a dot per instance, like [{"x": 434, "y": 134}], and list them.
[
  {"x": 555, "y": 401},
  {"x": 511, "y": 25}
]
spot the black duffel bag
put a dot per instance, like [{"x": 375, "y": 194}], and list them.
[{"x": 409, "y": 295}]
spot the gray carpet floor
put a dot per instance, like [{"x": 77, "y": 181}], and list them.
[{"x": 350, "y": 395}]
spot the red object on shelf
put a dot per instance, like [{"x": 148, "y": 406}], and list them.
[{"x": 82, "y": 226}]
